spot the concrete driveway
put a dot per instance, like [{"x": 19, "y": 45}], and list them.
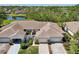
[
  {"x": 14, "y": 49},
  {"x": 4, "y": 48},
  {"x": 43, "y": 49},
  {"x": 58, "y": 48}
]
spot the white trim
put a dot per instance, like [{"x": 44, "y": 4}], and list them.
[{"x": 70, "y": 32}]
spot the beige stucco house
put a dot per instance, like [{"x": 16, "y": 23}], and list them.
[
  {"x": 44, "y": 31},
  {"x": 71, "y": 27},
  {"x": 51, "y": 32}
]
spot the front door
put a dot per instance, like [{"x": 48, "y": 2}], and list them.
[{"x": 17, "y": 41}]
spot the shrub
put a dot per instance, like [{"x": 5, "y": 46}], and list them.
[
  {"x": 36, "y": 41},
  {"x": 30, "y": 42},
  {"x": 67, "y": 37},
  {"x": 24, "y": 45},
  {"x": 73, "y": 47},
  {"x": 27, "y": 44}
]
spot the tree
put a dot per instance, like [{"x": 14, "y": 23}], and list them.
[
  {"x": 2, "y": 15},
  {"x": 76, "y": 35}
]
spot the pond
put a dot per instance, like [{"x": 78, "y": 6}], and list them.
[{"x": 16, "y": 18}]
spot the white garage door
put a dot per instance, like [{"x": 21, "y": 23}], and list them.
[
  {"x": 54, "y": 39},
  {"x": 43, "y": 40},
  {"x": 4, "y": 39}
]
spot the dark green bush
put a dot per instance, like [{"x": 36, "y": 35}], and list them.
[
  {"x": 30, "y": 42},
  {"x": 24, "y": 45},
  {"x": 27, "y": 44},
  {"x": 36, "y": 41}
]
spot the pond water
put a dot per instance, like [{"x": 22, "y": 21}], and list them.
[
  {"x": 9, "y": 18},
  {"x": 16, "y": 18}
]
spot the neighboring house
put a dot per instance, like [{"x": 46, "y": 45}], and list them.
[
  {"x": 20, "y": 12},
  {"x": 50, "y": 33},
  {"x": 44, "y": 31},
  {"x": 72, "y": 27},
  {"x": 8, "y": 11},
  {"x": 4, "y": 48}
]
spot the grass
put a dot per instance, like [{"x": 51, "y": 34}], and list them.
[
  {"x": 17, "y": 14},
  {"x": 66, "y": 46},
  {"x": 30, "y": 50},
  {"x": 5, "y": 22}
]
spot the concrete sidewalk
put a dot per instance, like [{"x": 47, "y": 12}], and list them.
[
  {"x": 43, "y": 49},
  {"x": 14, "y": 49},
  {"x": 58, "y": 48}
]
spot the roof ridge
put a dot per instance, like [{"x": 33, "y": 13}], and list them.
[
  {"x": 47, "y": 26},
  {"x": 14, "y": 33},
  {"x": 56, "y": 28}
]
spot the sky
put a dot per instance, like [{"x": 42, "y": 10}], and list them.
[
  {"x": 39, "y": 1},
  {"x": 37, "y": 4}
]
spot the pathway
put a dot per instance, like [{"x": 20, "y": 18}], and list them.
[{"x": 14, "y": 49}]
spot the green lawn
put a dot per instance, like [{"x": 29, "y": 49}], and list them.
[
  {"x": 5, "y": 22},
  {"x": 30, "y": 50},
  {"x": 17, "y": 14}
]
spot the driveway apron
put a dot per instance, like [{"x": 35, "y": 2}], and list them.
[
  {"x": 58, "y": 48},
  {"x": 43, "y": 49},
  {"x": 14, "y": 49}
]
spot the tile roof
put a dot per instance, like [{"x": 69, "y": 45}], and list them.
[
  {"x": 17, "y": 27},
  {"x": 6, "y": 26},
  {"x": 46, "y": 29},
  {"x": 7, "y": 32},
  {"x": 18, "y": 34},
  {"x": 31, "y": 24},
  {"x": 10, "y": 30},
  {"x": 73, "y": 26},
  {"x": 49, "y": 31}
]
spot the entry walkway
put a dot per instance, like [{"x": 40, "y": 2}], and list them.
[
  {"x": 14, "y": 49},
  {"x": 58, "y": 48},
  {"x": 43, "y": 49}
]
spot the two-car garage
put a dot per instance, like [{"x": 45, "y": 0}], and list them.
[
  {"x": 51, "y": 40},
  {"x": 7, "y": 40},
  {"x": 4, "y": 39},
  {"x": 55, "y": 39},
  {"x": 16, "y": 41}
]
